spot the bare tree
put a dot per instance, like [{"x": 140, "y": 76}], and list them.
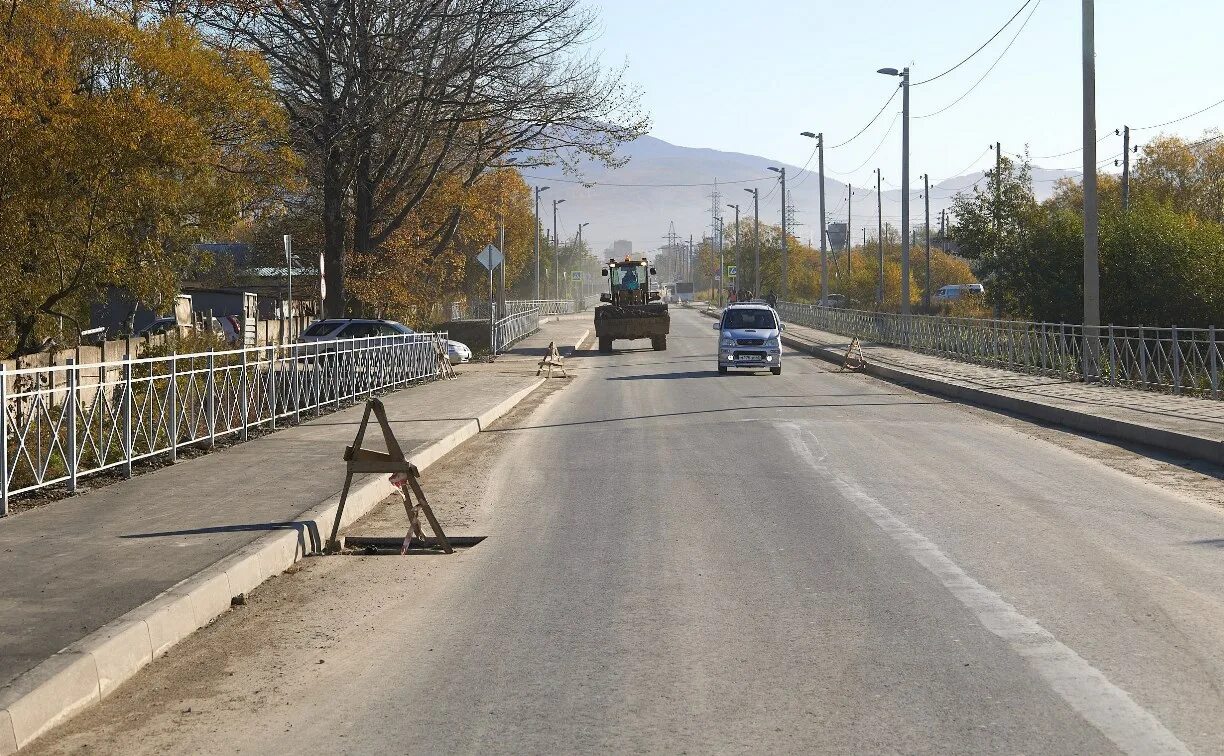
[{"x": 386, "y": 96}]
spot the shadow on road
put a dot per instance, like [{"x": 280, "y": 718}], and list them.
[{"x": 308, "y": 532}]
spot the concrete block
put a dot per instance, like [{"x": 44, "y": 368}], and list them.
[
  {"x": 209, "y": 592},
  {"x": 277, "y": 552},
  {"x": 48, "y": 694},
  {"x": 8, "y": 739},
  {"x": 243, "y": 571},
  {"x": 170, "y": 618},
  {"x": 119, "y": 650}
]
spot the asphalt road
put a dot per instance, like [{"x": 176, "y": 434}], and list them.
[{"x": 680, "y": 561}]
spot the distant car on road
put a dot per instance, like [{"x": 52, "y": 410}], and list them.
[
  {"x": 834, "y": 300},
  {"x": 750, "y": 336},
  {"x": 334, "y": 329},
  {"x": 227, "y": 326}
]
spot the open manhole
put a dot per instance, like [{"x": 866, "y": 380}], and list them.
[{"x": 391, "y": 545}]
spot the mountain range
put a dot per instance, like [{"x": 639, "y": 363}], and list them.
[{"x": 662, "y": 183}]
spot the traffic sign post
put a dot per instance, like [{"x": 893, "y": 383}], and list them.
[{"x": 491, "y": 257}]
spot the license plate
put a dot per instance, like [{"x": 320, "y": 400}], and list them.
[{"x": 749, "y": 357}]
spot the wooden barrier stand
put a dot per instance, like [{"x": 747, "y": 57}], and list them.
[
  {"x": 404, "y": 475},
  {"x": 551, "y": 360}
]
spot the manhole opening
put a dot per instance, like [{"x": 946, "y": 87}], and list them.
[{"x": 391, "y": 545}]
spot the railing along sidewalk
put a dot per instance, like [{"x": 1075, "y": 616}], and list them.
[
  {"x": 60, "y": 424},
  {"x": 1183, "y": 361},
  {"x": 514, "y": 328}
]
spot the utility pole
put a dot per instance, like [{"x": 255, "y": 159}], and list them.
[
  {"x": 722, "y": 269},
  {"x": 926, "y": 196},
  {"x": 849, "y": 220},
  {"x": 756, "y": 239},
  {"x": 905, "y": 188},
  {"x": 1125, "y": 168},
  {"x": 288, "y": 239},
  {"x": 579, "y": 251},
  {"x": 538, "y": 189},
  {"x": 880, "y": 239},
  {"x": 1092, "y": 271},
  {"x": 824, "y": 251},
  {"x": 501, "y": 244},
  {"x": 737, "y": 249},
  {"x": 782, "y": 172},
  {"x": 556, "y": 253}
]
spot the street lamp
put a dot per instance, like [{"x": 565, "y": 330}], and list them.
[
  {"x": 538, "y": 189},
  {"x": 824, "y": 254},
  {"x": 737, "y": 248},
  {"x": 905, "y": 239},
  {"x": 579, "y": 250},
  {"x": 782, "y": 172},
  {"x": 756, "y": 239},
  {"x": 556, "y": 253}
]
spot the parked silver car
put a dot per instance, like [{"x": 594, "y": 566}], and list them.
[
  {"x": 332, "y": 329},
  {"x": 750, "y": 336}
]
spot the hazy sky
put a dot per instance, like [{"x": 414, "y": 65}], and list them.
[{"x": 748, "y": 77}]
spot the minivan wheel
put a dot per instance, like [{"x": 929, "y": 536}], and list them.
[{"x": 776, "y": 370}]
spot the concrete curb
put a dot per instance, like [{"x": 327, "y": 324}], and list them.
[
  {"x": 1182, "y": 444},
  {"x": 578, "y": 343},
  {"x": 91, "y": 668}
]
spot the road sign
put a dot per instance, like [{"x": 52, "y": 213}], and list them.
[
  {"x": 731, "y": 271},
  {"x": 322, "y": 278},
  {"x": 576, "y": 275},
  {"x": 490, "y": 257}
]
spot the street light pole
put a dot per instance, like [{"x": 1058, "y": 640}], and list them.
[
  {"x": 880, "y": 239},
  {"x": 580, "y": 247},
  {"x": 737, "y": 249},
  {"x": 824, "y": 251},
  {"x": 556, "y": 253},
  {"x": 926, "y": 195},
  {"x": 538, "y": 189},
  {"x": 905, "y": 233},
  {"x": 1092, "y": 271},
  {"x": 849, "y": 220},
  {"x": 756, "y": 239},
  {"x": 782, "y": 172}
]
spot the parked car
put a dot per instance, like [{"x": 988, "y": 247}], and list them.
[
  {"x": 749, "y": 337},
  {"x": 228, "y": 326},
  {"x": 956, "y": 291},
  {"x": 333, "y": 329},
  {"x": 834, "y": 300}
]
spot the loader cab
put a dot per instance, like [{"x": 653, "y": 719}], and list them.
[{"x": 629, "y": 282}]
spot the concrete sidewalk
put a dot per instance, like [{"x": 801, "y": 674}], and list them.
[
  {"x": 1184, "y": 426},
  {"x": 107, "y": 560}
]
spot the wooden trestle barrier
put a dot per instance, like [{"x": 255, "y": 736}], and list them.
[
  {"x": 404, "y": 475},
  {"x": 854, "y": 359},
  {"x": 552, "y": 359}
]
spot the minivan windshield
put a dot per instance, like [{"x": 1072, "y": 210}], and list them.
[{"x": 749, "y": 318}]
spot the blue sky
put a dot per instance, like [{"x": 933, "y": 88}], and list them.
[{"x": 748, "y": 77}]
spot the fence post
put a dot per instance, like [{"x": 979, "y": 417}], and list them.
[
  {"x": 1113, "y": 358},
  {"x": 295, "y": 383},
  {"x": 4, "y": 434},
  {"x": 272, "y": 385},
  {"x": 71, "y": 411},
  {"x": 1142, "y": 357},
  {"x": 336, "y": 361},
  {"x": 244, "y": 400},
  {"x": 1176, "y": 363},
  {"x": 172, "y": 401},
  {"x": 315, "y": 368},
  {"x": 128, "y": 451},
  {"x": 1213, "y": 349},
  {"x": 210, "y": 399}
]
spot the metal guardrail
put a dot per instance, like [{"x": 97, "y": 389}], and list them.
[
  {"x": 60, "y": 424},
  {"x": 480, "y": 310},
  {"x": 1184, "y": 361},
  {"x": 514, "y": 327}
]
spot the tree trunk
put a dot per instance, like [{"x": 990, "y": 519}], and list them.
[{"x": 333, "y": 237}]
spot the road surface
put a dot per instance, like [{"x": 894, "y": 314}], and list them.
[{"x": 679, "y": 561}]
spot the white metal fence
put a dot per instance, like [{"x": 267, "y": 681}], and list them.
[
  {"x": 62, "y": 423},
  {"x": 480, "y": 310},
  {"x": 1172, "y": 360},
  {"x": 514, "y": 327}
]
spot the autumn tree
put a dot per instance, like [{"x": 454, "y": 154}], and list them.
[{"x": 123, "y": 143}]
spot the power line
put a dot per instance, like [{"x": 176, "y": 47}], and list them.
[
  {"x": 1019, "y": 31},
  {"x": 1177, "y": 120},
  {"x": 592, "y": 184},
  {"x": 866, "y": 160},
  {"x": 873, "y": 120},
  {"x": 983, "y": 47}
]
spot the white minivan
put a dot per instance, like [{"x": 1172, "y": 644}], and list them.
[{"x": 956, "y": 291}]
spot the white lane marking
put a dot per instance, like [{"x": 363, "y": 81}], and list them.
[{"x": 1104, "y": 705}]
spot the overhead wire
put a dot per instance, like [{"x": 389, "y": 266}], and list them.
[
  {"x": 975, "y": 52},
  {"x": 968, "y": 92},
  {"x": 866, "y": 160},
  {"x": 1179, "y": 119},
  {"x": 874, "y": 118},
  {"x": 592, "y": 184}
]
